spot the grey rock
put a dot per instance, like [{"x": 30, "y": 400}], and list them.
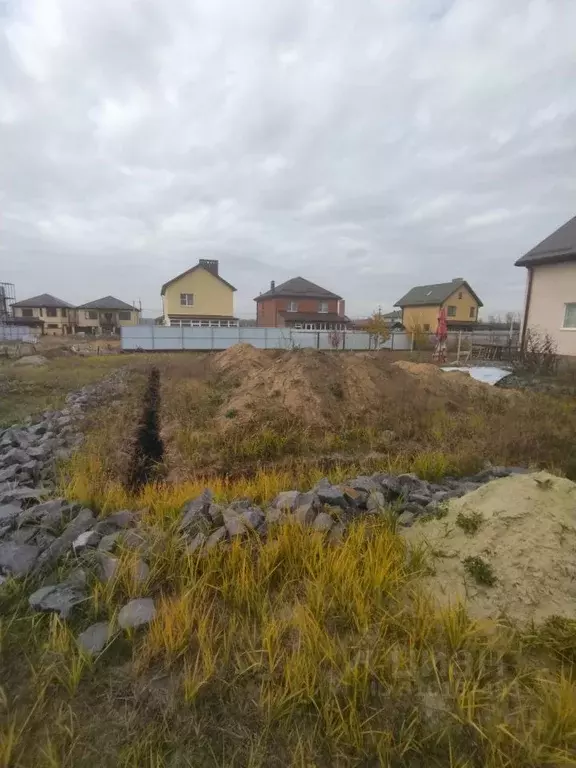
[
  {"x": 59, "y": 598},
  {"x": 376, "y": 501},
  {"x": 132, "y": 539},
  {"x": 56, "y": 519},
  {"x": 331, "y": 494},
  {"x": 215, "y": 538},
  {"x": 9, "y": 513},
  {"x": 197, "y": 543},
  {"x": 287, "y": 500},
  {"x": 414, "y": 509},
  {"x": 17, "y": 559},
  {"x": 87, "y": 540},
  {"x": 83, "y": 521},
  {"x": 122, "y": 519},
  {"x": 274, "y": 515},
  {"x": 108, "y": 543},
  {"x": 137, "y": 613},
  {"x": 94, "y": 639},
  {"x": 354, "y": 497},
  {"x": 253, "y": 517},
  {"x": 44, "y": 539},
  {"x": 38, "y": 512},
  {"x": 411, "y": 483},
  {"x": 7, "y": 474},
  {"x": 420, "y": 498},
  {"x": 38, "y": 452},
  {"x": 439, "y": 496},
  {"x": 77, "y": 578},
  {"x": 236, "y": 527},
  {"x": 3, "y": 580},
  {"x": 23, "y": 494},
  {"x": 389, "y": 485},
  {"x": 15, "y": 456},
  {"x": 364, "y": 483},
  {"x": 195, "y": 513},
  {"x": 215, "y": 513},
  {"x": 307, "y": 506},
  {"x": 4, "y": 529},
  {"x": 24, "y": 535},
  {"x": 336, "y": 534},
  {"x": 107, "y": 567},
  {"x": 323, "y": 522},
  {"x": 406, "y": 519}
]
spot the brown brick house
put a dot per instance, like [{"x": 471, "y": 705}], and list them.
[{"x": 300, "y": 304}]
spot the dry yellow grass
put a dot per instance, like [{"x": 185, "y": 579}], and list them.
[{"x": 290, "y": 651}]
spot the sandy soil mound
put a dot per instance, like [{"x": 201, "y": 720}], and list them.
[
  {"x": 324, "y": 388},
  {"x": 526, "y": 534}
]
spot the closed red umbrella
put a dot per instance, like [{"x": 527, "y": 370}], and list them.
[{"x": 441, "y": 337}]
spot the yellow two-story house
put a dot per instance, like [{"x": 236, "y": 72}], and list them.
[
  {"x": 199, "y": 297},
  {"x": 422, "y": 304},
  {"x": 52, "y": 316}
]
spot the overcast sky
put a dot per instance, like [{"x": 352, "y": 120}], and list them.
[{"x": 367, "y": 146}]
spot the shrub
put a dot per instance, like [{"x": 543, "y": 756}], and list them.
[{"x": 539, "y": 354}]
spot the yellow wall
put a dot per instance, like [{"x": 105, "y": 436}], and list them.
[
  {"x": 421, "y": 316},
  {"x": 84, "y": 321},
  {"x": 211, "y": 296}
]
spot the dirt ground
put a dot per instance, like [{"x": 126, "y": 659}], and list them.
[
  {"x": 524, "y": 528},
  {"x": 320, "y": 387}
]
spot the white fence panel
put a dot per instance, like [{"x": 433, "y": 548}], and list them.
[
  {"x": 198, "y": 338},
  {"x": 137, "y": 337},
  {"x": 17, "y": 333}
]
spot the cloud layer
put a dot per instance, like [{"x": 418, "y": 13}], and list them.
[{"x": 366, "y": 146}]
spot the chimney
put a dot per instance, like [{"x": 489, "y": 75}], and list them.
[
  {"x": 211, "y": 265},
  {"x": 457, "y": 279},
  {"x": 272, "y": 285}
]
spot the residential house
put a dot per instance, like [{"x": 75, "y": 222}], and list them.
[
  {"x": 106, "y": 315},
  {"x": 550, "y": 304},
  {"x": 199, "y": 297},
  {"x": 422, "y": 304},
  {"x": 300, "y": 304},
  {"x": 50, "y": 315},
  {"x": 393, "y": 320}
]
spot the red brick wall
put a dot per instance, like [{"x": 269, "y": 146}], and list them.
[{"x": 267, "y": 309}]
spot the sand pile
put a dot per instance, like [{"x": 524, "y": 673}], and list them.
[
  {"x": 526, "y": 534},
  {"x": 326, "y": 388}
]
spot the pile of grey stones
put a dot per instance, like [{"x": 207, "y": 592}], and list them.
[
  {"x": 328, "y": 508},
  {"x": 37, "y": 532}
]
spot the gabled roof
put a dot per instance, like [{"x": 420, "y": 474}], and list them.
[
  {"x": 189, "y": 271},
  {"x": 559, "y": 246},
  {"x": 44, "y": 300},
  {"x": 298, "y": 287},
  {"x": 108, "y": 302},
  {"x": 433, "y": 295}
]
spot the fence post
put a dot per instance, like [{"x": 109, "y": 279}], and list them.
[
  {"x": 392, "y": 342},
  {"x": 266, "y": 337},
  {"x": 412, "y": 343},
  {"x": 318, "y": 340},
  {"x": 459, "y": 345},
  {"x": 212, "y": 338}
]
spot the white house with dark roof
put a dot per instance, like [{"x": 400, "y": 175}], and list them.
[
  {"x": 550, "y": 305},
  {"x": 105, "y": 315},
  {"x": 50, "y": 315}
]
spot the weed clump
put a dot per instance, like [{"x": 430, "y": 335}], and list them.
[
  {"x": 480, "y": 570},
  {"x": 469, "y": 523}
]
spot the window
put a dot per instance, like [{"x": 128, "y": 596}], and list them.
[
  {"x": 460, "y": 295},
  {"x": 451, "y": 311},
  {"x": 91, "y": 315},
  {"x": 51, "y": 312},
  {"x": 323, "y": 307},
  {"x": 27, "y": 313},
  {"x": 292, "y": 306},
  {"x": 472, "y": 313},
  {"x": 63, "y": 312},
  {"x": 186, "y": 299},
  {"x": 125, "y": 315},
  {"x": 569, "y": 316},
  {"x": 52, "y": 325},
  {"x": 426, "y": 326}
]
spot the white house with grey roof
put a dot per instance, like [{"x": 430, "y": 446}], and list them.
[
  {"x": 47, "y": 313},
  {"x": 550, "y": 304},
  {"x": 105, "y": 315}
]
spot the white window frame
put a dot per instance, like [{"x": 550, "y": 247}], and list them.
[
  {"x": 472, "y": 313},
  {"x": 321, "y": 306},
  {"x": 451, "y": 314},
  {"x": 292, "y": 306},
  {"x": 569, "y": 307},
  {"x": 186, "y": 299}
]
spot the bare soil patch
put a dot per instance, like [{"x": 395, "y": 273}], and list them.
[{"x": 523, "y": 529}]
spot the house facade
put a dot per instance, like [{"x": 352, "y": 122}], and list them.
[
  {"x": 199, "y": 297},
  {"x": 550, "y": 299},
  {"x": 52, "y": 316},
  {"x": 106, "y": 315},
  {"x": 422, "y": 304},
  {"x": 301, "y": 305}
]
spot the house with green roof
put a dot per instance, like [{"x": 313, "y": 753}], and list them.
[{"x": 422, "y": 304}]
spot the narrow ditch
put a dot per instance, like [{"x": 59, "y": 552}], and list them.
[{"x": 148, "y": 448}]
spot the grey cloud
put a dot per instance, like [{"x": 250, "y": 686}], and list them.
[{"x": 365, "y": 147}]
